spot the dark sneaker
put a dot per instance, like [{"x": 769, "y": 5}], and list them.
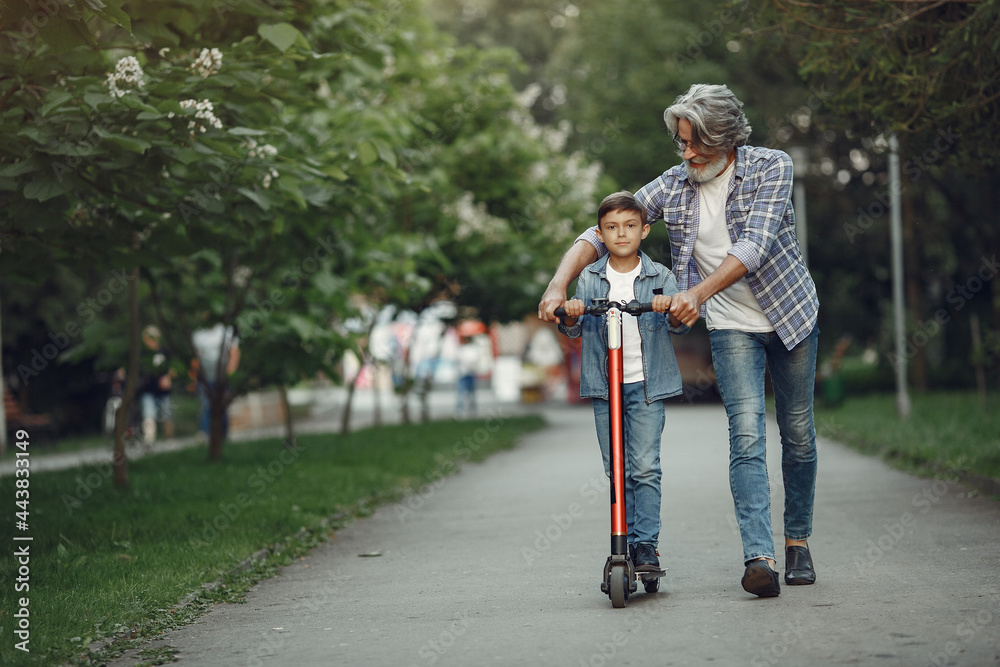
[
  {"x": 761, "y": 580},
  {"x": 646, "y": 558}
]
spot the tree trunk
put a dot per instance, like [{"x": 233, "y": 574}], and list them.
[
  {"x": 132, "y": 380},
  {"x": 3, "y": 413},
  {"x": 995, "y": 301},
  {"x": 404, "y": 396},
  {"x": 428, "y": 382},
  {"x": 289, "y": 426},
  {"x": 977, "y": 356},
  {"x": 345, "y": 418},
  {"x": 425, "y": 393},
  {"x": 217, "y": 411},
  {"x": 376, "y": 396},
  {"x": 345, "y": 422}
]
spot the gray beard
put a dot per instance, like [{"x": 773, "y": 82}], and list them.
[{"x": 711, "y": 169}]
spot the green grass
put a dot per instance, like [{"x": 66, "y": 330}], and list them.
[
  {"x": 107, "y": 561},
  {"x": 948, "y": 432}
]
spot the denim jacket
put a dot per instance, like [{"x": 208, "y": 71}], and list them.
[{"x": 663, "y": 377}]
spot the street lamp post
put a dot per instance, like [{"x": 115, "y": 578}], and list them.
[{"x": 898, "y": 311}]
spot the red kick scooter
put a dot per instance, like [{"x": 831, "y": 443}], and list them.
[{"x": 620, "y": 578}]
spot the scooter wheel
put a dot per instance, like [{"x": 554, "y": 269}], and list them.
[
  {"x": 651, "y": 585},
  {"x": 618, "y": 586}
]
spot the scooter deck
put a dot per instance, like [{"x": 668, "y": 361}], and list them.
[{"x": 652, "y": 574}]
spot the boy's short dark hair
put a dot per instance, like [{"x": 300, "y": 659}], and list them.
[{"x": 622, "y": 200}]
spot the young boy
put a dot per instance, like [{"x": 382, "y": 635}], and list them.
[{"x": 649, "y": 368}]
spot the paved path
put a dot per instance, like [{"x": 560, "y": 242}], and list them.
[{"x": 500, "y": 565}]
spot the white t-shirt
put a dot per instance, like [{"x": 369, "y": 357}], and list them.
[
  {"x": 208, "y": 344},
  {"x": 734, "y": 307},
  {"x": 623, "y": 290},
  {"x": 468, "y": 358}
]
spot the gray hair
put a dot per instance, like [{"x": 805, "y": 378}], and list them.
[{"x": 716, "y": 116}]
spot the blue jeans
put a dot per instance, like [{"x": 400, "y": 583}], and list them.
[
  {"x": 642, "y": 430},
  {"x": 740, "y": 359},
  {"x": 466, "y": 395},
  {"x": 156, "y": 407}
]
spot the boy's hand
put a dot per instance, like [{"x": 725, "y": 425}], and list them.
[
  {"x": 574, "y": 308},
  {"x": 660, "y": 303}
]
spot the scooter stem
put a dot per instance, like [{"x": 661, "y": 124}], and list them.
[{"x": 619, "y": 527}]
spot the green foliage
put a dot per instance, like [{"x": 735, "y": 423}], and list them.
[
  {"x": 907, "y": 68},
  {"x": 320, "y": 164},
  {"x": 620, "y": 69}
]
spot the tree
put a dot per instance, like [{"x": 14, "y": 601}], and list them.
[
  {"x": 211, "y": 153},
  {"x": 928, "y": 72},
  {"x": 161, "y": 164},
  {"x": 911, "y": 68}
]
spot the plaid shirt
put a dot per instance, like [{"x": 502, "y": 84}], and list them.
[{"x": 761, "y": 224}]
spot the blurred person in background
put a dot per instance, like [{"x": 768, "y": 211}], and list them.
[
  {"x": 218, "y": 356},
  {"x": 468, "y": 365},
  {"x": 155, "y": 383}
]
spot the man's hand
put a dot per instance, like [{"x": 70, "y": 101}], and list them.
[
  {"x": 576, "y": 258},
  {"x": 660, "y": 303},
  {"x": 686, "y": 307},
  {"x": 552, "y": 299}
]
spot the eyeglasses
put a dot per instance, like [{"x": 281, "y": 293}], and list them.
[{"x": 682, "y": 146}]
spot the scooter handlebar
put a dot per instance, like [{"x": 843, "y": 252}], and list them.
[{"x": 602, "y": 306}]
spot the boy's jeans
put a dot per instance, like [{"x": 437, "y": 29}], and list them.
[
  {"x": 739, "y": 359},
  {"x": 642, "y": 430}
]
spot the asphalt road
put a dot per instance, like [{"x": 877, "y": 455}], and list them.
[{"x": 500, "y": 565}]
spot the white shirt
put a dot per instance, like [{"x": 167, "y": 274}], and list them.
[
  {"x": 623, "y": 290},
  {"x": 468, "y": 358},
  {"x": 734, "y": 307},
  {"x": 208, "y": 344}
]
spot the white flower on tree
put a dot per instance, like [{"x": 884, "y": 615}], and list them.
[
  {"x": 260, "y": 151},
  {"x": 269, "y": 175},
  {"x": 127, "y": 77},
  {"x": 203, "y": 110},
  {"x": 208, "y": 63},
  {"x": 474, "y": 220}
]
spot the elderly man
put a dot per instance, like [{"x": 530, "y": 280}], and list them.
[{"x": 731, "y": 226}]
